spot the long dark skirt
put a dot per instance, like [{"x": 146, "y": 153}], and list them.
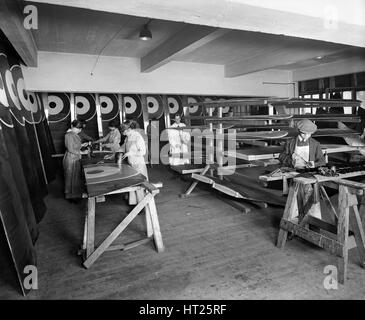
[{"x": 72, "y": 175}]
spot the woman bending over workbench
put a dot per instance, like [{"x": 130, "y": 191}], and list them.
[
  {"x": 113, "y": 138},
  {"x": 135, "y": 151}
]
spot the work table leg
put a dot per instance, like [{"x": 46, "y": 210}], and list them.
[
  {"x": 90, "y": 238},
  {"x": 291, "y": 209},
  {"x": 342, "y": 232},
  {"x": 140, "y": 196},
  {"x": 155, "y": 225}
]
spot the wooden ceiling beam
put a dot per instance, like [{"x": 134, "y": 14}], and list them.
[
  {"x": 345, "y": 66},
  {"x": 185, "y": 41},
  {"x": 11, "y": 23},
  {"x": 274, "y": 58}
]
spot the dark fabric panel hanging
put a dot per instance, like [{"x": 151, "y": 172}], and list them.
[
  {"x": 9, "y": 150},
  {"x": 19, "y": 235},
  {"x": 27, "y": 145},
  {"x": 47, "y": 148},
  {"x": 45, "y": 143},
  {"x": 22, "y": 183},
  {"x": 8, "y": 275},
  {"x": 36, "y": 155},
  {"x": 10, "y": 144},
  {"x": 85, "y": 109},
  {"x": 132, "y": 105},
  {"x": 109, "y": 109},
  {"x": 59, "y": 118}
]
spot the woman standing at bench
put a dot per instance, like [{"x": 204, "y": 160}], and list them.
[
  {"x": 135, "y": 151},
  {"x": 71, "y": 161}
]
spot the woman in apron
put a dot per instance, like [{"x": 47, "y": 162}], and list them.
[
  {"x": 135, "y": 151},
  {"x": 71, "y": 161},
  {"x": 179, "y": 141},
  {"x": 113, "y": 138}
]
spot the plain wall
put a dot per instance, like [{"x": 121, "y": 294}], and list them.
[{"x": 62, "y": 72}]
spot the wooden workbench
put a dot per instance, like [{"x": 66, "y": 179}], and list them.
[
  {"x": 103, "y": 179},
  {"x": 303, "y": 218},
  {"x": 262, "y": 153}
]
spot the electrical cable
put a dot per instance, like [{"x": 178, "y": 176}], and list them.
[{"x": 101, "y": 51}]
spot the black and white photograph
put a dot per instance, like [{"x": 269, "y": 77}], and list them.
[{"x": 182, "y": 155}]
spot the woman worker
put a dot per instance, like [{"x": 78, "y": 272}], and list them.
[
  {"x": 113, "y": 138},
  {"x": 135, "y": 150},
  {"x": 303, "y": 151},
  {"x": 71, "y": 161},
  {"x": 179, "y": 141}
]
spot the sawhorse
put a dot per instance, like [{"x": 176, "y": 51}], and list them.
[
  {"x": 145, "y": 200},
  {"x": 195, "y": 183},
  {"x": 334, "y": 238}
]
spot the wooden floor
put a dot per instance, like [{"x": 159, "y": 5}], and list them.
[{"x": 213, "y": 251}]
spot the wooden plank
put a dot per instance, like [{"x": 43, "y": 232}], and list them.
[
  {"x": 145, "y": 116},
  {"x": 358, "y": 229},
  {"x": 84, "y": 241},
  {"x": 249, "y": 117},
  {"x": 202, "y": 178},
  {"x": 90, "y": 235},
  {"x": 250, "y": 154},
  {"x": 328, "y": 203},
  {"x": 258, "y": 143},
  {"x": 228, "y": 170},
  {"x": 331, "y": 182},
  {"x": 236, "y": 204},
  {"x": 244, "y": 122},
  {"x": 313, "y": 103},
  {"x": 342, "y": 232},
  {"x": 194, "y": 184},
  {"x": 248, "y": 189},
  {"x": 187, "y": 170},
  {"x": 291, "y": 207},
  {"x": 226, "y": 190},
  {"x": 220, "y": 142},
  {"x": 149, "y": 231},
  {"x": 340, "y": 179},
  {"x": 129, "y": 245},
  {"x": 105, "y": 178},
  {"x": 150, "y": 187},
  {"x": 330, "y": 245},
  {"x": 230, "y": 102},
  {"x": 352, "y": 184},
  {"x": 322, "y": 224},
  {"x": 155, "y": 225},
  {"x": 196, "y": 194}
]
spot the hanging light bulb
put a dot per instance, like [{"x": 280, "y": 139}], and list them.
[{"x": 145, "y": 33}]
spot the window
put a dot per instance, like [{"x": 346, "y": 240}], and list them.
[
  {"x": 360, "y": 95},
  {"x": 307, "y": 110},
  {"x": 347, "y": 95}
]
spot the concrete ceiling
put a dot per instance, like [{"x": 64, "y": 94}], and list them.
[
  {"x": 74, "y": 30},
  {"x": 82, "y": 27}
]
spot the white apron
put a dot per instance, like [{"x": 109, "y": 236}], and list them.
[
  {"x": 178, "y": 140},
  {"x": 135, "y": 145}
]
